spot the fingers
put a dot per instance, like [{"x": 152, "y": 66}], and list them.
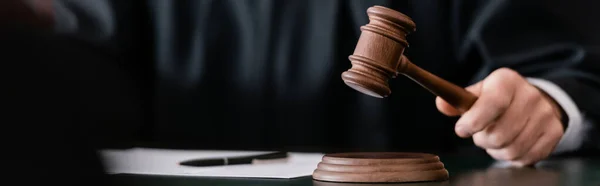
[
  {"x": 517, "y": 148},
  {"x": 542, "y": 148},
  {"x": 535, "y": 142},
  {"x": 508, "y": 126},
  {"x": 545, "y": 144},
  {"x": 447, "y": 109},
  {"x": 511, "y": 119},
  {"x": 497, "y": 93}
]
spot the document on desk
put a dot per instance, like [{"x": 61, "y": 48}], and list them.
[{"x": 166, "y": 162}]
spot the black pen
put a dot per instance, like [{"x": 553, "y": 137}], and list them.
[{"x": 233, "y": 160}]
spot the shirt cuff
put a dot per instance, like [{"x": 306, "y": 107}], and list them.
[{"x": 573, "y": 135}]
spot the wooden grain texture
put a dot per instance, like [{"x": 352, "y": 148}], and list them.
[
  {"x": 380, "y": 167},
  {"x": 378, "y": 57}
]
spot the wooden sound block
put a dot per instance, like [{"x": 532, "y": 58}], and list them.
[{"x": 380, "y": 167}]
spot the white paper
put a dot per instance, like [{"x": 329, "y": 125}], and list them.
[{"x": 166, "y": 162}]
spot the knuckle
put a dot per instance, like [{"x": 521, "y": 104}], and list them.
[
  {"x": 497, "y": 140},
  {"x": 531, "y": 94},
  {"x": 499, "y": 88},
  {"x": 547, "y": 112},
  {"x": 479, "y": 140},
  {"x": 557, "y": 132},
  {"x": 467, "y": 123},
  {"x": 506, "y": 73}
]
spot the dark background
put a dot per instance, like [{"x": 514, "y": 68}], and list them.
[
  {"x": 69, "y": 95},
  {"x": 285, "y": 112}
]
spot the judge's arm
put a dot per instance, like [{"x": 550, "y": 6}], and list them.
[{"x": 542, "y": 89}]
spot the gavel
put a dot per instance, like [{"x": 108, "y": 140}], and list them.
[{"x": 378, "y": 57}]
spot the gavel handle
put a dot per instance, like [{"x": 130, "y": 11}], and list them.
[{"x": 456, "y": 96}]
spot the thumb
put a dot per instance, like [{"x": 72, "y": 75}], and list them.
[{"x": 447, "y": 109}]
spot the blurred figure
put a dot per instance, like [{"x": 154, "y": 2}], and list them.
[{"x": 46, "y": 79}]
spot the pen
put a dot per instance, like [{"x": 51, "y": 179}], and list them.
[{"x": 232, "y": 160}]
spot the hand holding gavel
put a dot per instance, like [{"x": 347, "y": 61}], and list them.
[{"x": 504, "y": 114}]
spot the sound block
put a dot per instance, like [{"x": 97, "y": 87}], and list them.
[{"x": 380, "y": 167}]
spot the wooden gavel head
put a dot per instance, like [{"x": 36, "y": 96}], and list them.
[
  {"x": 378, "y": 57},
  {"x": 379, "y": 51}
]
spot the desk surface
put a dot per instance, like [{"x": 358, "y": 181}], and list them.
[{"x": 471, "y": 171}]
